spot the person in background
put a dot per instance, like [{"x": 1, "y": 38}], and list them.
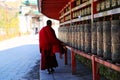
[
  {"x": 49, "y": 45},
  {"x": 36, "y": 30}
]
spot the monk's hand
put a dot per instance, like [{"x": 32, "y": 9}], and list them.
[{"x": 65, "y": 49}]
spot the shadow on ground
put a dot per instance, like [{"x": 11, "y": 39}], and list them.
[{"x": 33, "y": 74}]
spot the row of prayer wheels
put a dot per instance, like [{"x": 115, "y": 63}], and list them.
[
  {"x": 104, "y": 5},
  {"x": 102, "y": 38}
]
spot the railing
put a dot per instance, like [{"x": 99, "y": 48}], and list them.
[{"x": 95, "y": 60}]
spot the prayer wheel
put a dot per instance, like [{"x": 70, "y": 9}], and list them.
[
  {"x": 62, "y": 33},
  {"x": 82, "y": 37},
  {"x": 98, "y": 7},
  {"x": 65, "y": 31},
  {"x": 59, "y": 33},
  {"x": 68, "y": 41},
  {"x": 70, "y": 35},
  {"x": 75, "y": 36},
  {"x": 99, "y": 38},
  {"x": 107, "y": 4},
  {"x": 118, "y": 3},
  {"x": 114, "y": 3},
  {"x": 87, "y": 29},
  {"x": 107, "y": 40},
  {"x": 69, "y": 31},
  {"x": 78, "y": 2},
  {"x": 102, "y": 6},
  {"x": 84, "y": 1},
  {"x": 79, "y": 36},
  {"x": 94, "y": 38},
  {"x": 66, "y": 35},
  {"x": 115, "y": 38}
]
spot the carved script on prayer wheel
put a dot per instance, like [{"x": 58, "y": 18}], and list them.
[
  {"x": 99, "y": 38},
  {"x": 107, "y": 40},
  {"x": 79, "y": 36},
  {"x": 82, "y": 37},
  {"x": 94, "y": 38},
  {"x": 87, "y": 29},
  {"x": 115, "y": 38}
]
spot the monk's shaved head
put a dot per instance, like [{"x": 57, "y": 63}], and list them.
[{"x": 49, "y": 22}]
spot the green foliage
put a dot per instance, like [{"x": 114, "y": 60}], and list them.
[
  {"x": 85, "y": 61},
  {"x": 109, "y": 73},
  {"x": 9, "y": 23}
]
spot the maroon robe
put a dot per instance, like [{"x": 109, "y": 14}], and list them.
[{"x": 49, "y": 44}]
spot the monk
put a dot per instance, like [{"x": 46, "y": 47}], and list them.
[{"x": 49, "y": 45}]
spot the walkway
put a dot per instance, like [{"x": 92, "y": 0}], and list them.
[{"x": 63, "y": 72}]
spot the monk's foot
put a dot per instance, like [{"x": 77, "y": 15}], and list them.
[
  {"x": 48, "y": 71},
  {"x": 52, "y": 70}
]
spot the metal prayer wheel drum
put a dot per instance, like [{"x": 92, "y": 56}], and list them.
[
  {"x": 76, "y": 33},
  {"x": 79, "y": 36},
  {"x": 107, "y": 40},
  {"x": 71, "y": 32},
  {"x": 73, "y": 36},
  {"x": 87, "y": 29},
  {"x": 76, "y": 37},
  {"x": 82, "y": 37},
  {"x": 114, "y": 3},
  {"x": 70, "y": 35},
  {"x": 115, "y": 38},
  {"x": 66, "y": 34},
  {"x": 118, "y": 2},
  {"x": 94, "y": 38},
  {"x": 99, "y": 38}
]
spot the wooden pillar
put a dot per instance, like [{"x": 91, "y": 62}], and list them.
[
  {"x": 73, "y": 62},
  {"x": 95, "y": 70}
]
